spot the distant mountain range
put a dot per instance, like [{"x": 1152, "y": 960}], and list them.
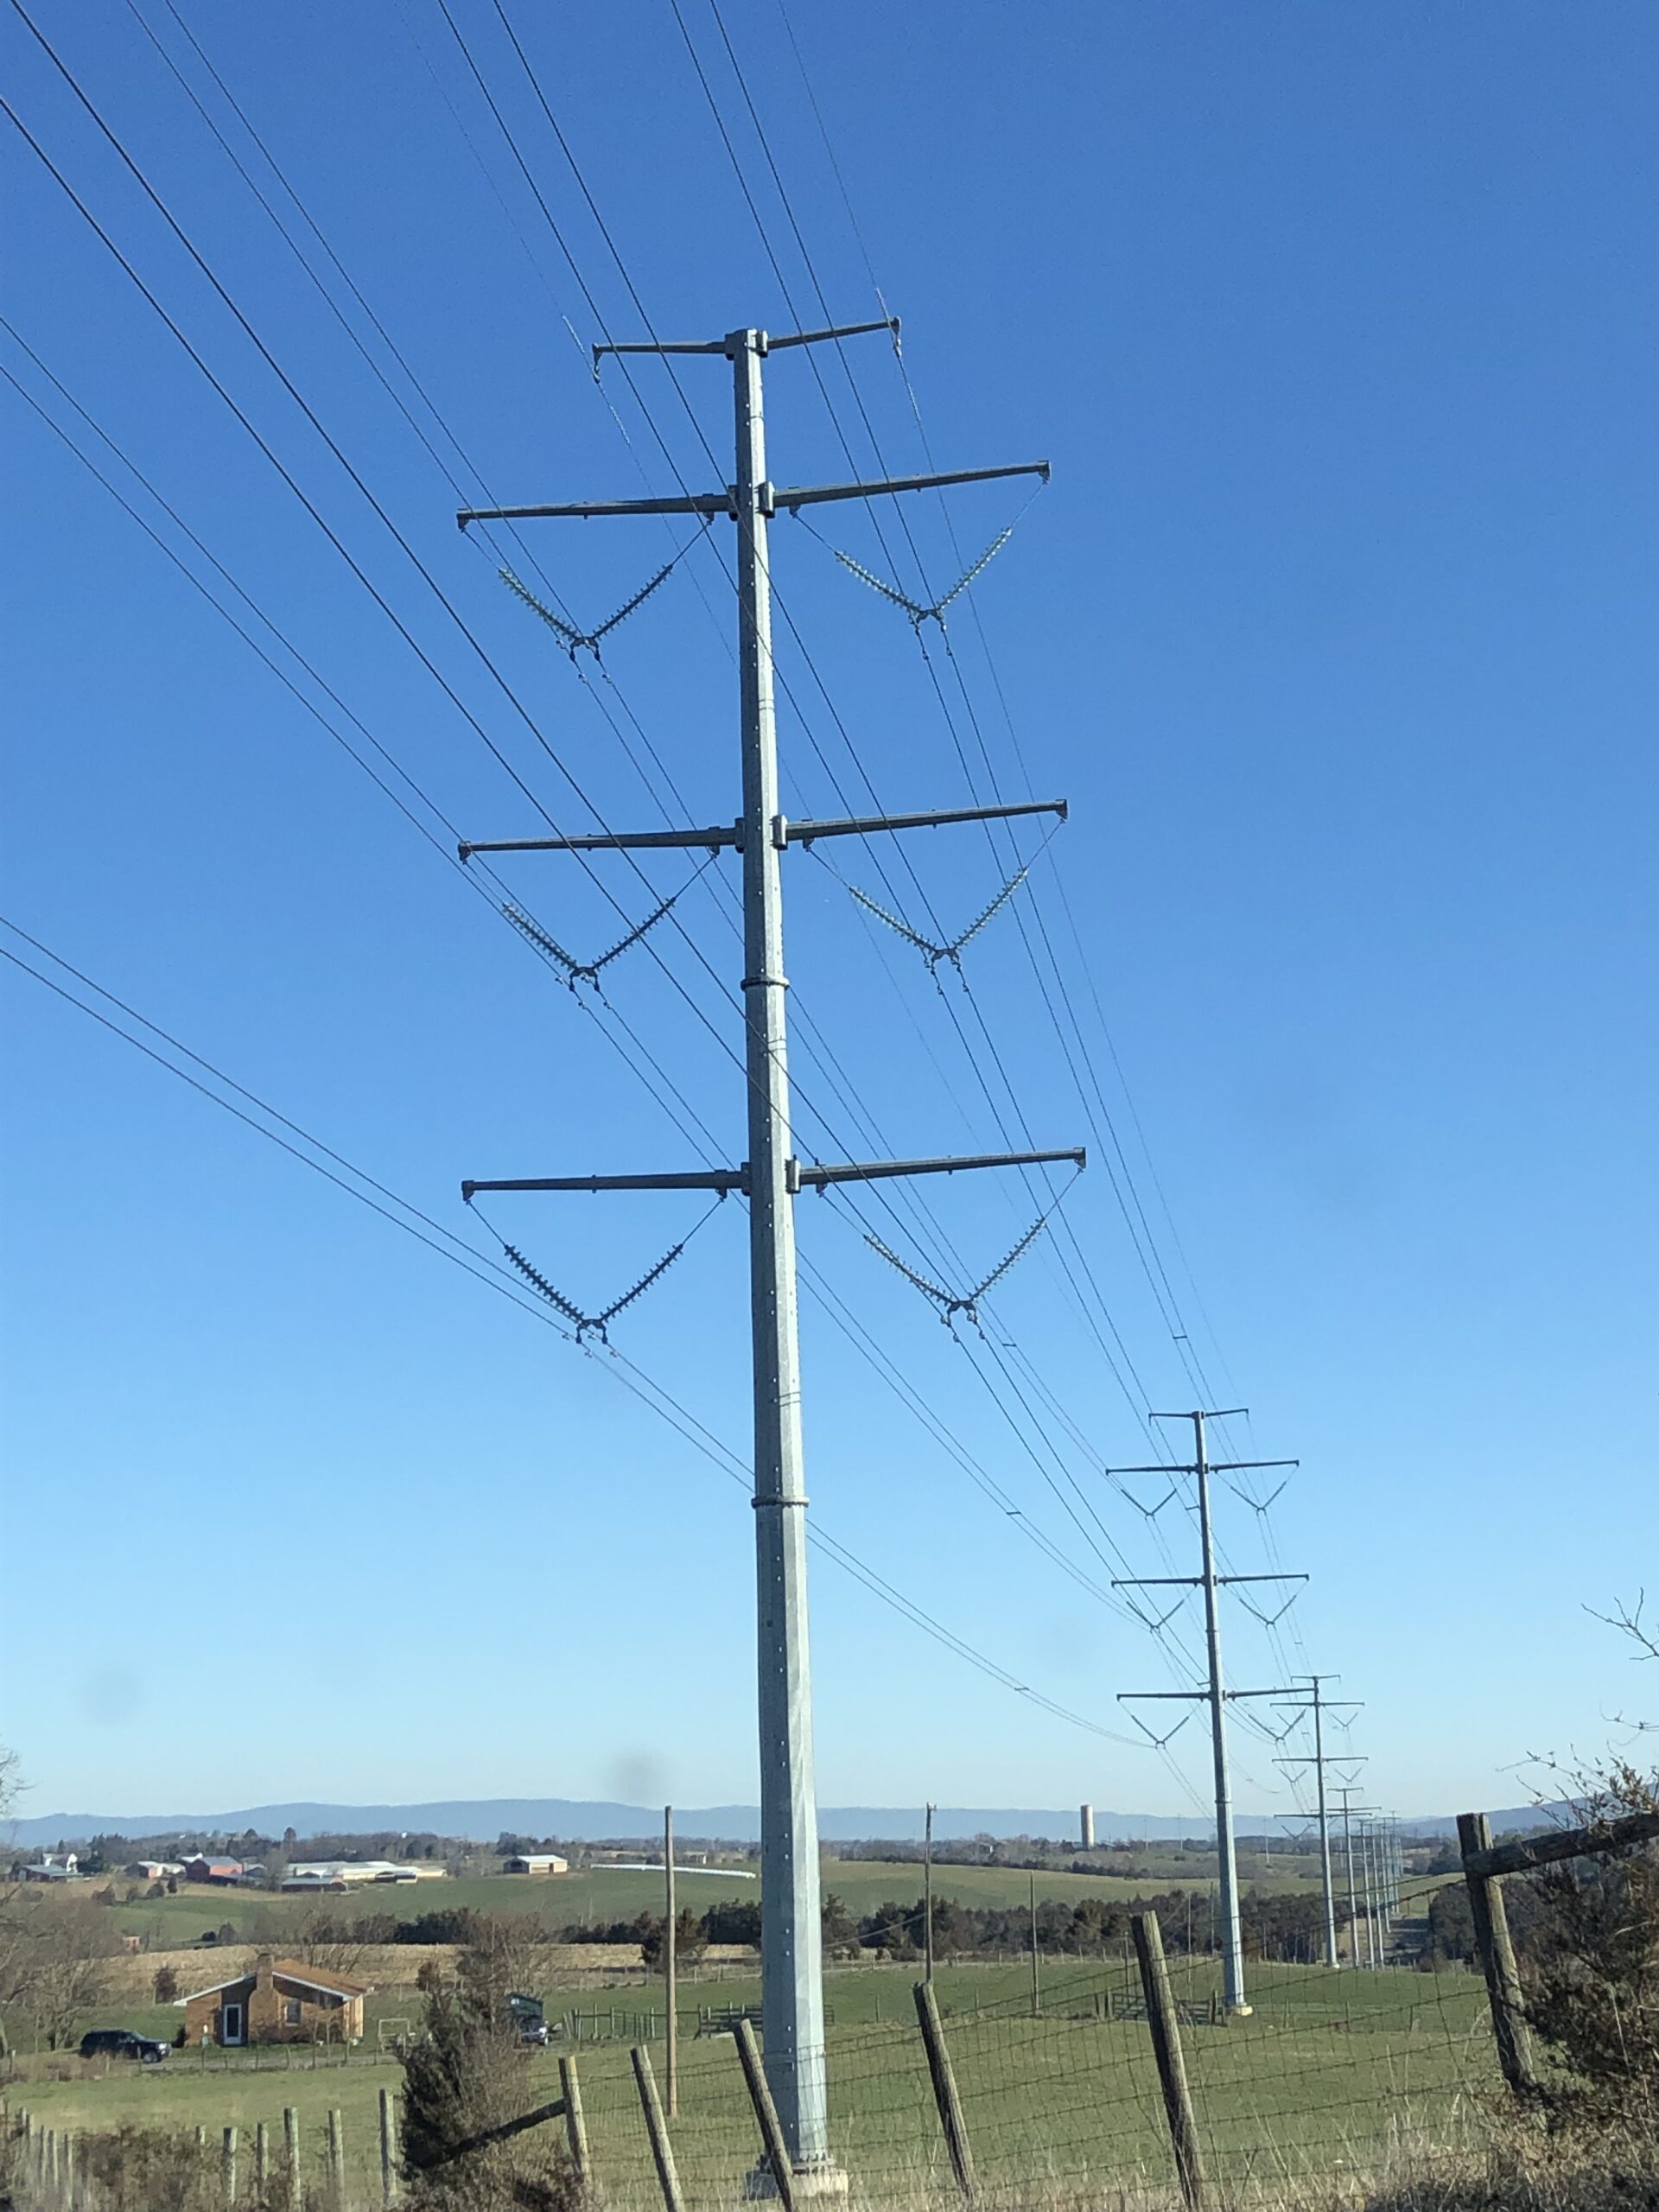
[{"x": 587, "y": 1820}]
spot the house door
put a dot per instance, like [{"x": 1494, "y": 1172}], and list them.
[{"x": 230, "y": 2023}]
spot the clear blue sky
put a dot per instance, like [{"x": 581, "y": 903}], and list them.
[{"x": 1335, "y": 628}]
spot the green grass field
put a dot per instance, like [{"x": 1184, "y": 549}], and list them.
[
  {"x": 1331, "y": 2073},
  {"x": 599, "y": 1895}
]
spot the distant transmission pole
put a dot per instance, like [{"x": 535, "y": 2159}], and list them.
[
  {"x": 1216, "y": 1694},
  {"x": 770, "y": 1178},
  {"x": 1318, "y": 1706}
]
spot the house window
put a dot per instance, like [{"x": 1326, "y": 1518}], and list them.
[{"x": 291, "y": 2013}]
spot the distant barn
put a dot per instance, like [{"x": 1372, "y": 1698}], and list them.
[{"x": 536, "y": 1862}]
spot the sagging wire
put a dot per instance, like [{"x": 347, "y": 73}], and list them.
[
  {"x": 592, "y": 1324},
  {"x": 577, "y": 971},
  {"x": 570, "y": 637}
]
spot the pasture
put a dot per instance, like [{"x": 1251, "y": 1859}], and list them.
[
  {"x": 1332, "y": 2074},
  {"x": 596, "y": 1895}
]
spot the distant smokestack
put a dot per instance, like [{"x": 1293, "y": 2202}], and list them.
[{"x": 1086, "y": 1825}]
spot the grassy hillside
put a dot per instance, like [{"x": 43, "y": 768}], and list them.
[{"x": 602, "y": 1894}]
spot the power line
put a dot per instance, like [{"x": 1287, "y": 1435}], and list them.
[
  {"x": 457, "y": 1249},
  {"x": 246, "y": 419}
]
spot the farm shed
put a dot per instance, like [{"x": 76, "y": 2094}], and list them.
[
  {"x": 201, "y": 1868},
  {"x": 280, "y": 2001},
  {"x": 536, "y": 1862},
  {"x": 339, "y": 1872}
]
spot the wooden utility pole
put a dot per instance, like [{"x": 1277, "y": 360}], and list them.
[
  {"x": 671, "y": 1977},
  {"x": 1491, "y": 1920},
  {"x": 1162, "y": 2020},
  {"x": 766, "y": 2113},
  {"x": 388, "y": 2148},
  {"x": 927, "y": 1894},
  {"x": 662, "y": 2150},
  {"x": 1036, "y": 1961},
  {"x": 575, "y": 2129},
  {"x": 943, "y": 2078}
]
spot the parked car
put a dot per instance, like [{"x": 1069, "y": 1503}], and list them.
[{"x": 122, "y": 2042}]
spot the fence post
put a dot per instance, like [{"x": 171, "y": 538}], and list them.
[
  {"x": 70, "y": 2142},
  {"x": 772, "y": 2134},
  {"x": 576, "y": 2132},
  {"x": 1171, "y": 2064},
  {"x": 227, "y": 2166},
  {"x": 291, "y": 2156},
  {"x": 388, "y": 2149},
  {"x": 945, "y": 2088},
  {"x": 662, "y": 2150},
  {"x": 1498, "y": 1958},
  {"x": 261, "y": 2156},
  {"x": 336, "y": 2157}
]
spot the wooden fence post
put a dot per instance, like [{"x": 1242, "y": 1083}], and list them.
[
  {"x": 70, "y": 2144},
  {"x": 388, "y": 2150},
  {"x": 261, "y": 2157},
  {"x": 227, "y": 2166},
  {"x": 772, "y": 2134},
  {"x": 662, "y": 2150},
  {"x": 1171, "y": 2064},
  {"x": 336, "y": 2159},
  {"x": 291, "y": 2156},
  {"x": 1498, "y": 1958},
  {"x": 576, "y": 2132},
  {"x": 945, "y": 2088}
]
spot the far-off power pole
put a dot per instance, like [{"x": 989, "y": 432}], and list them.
[
  {"x": 1318, "y": 1706},
  {"x": 1216, "y": 1694},
  {"x": 770, "y": 1178}
]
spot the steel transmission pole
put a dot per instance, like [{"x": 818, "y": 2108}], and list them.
[
  {"x": 1318, "y": 1706},
  {"x": 791, "y": 1966},
  {"x": 771, "y": 1177},
  {"x": 1231, "y": 1933},
  {"x": 1215, "y": 1692}
]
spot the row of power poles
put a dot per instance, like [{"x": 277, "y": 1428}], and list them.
[{"x": 769, "y": 1179}]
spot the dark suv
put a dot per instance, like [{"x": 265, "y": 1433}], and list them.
[{"x": 122, "y": 2042}]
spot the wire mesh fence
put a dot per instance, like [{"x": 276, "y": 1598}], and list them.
[{"x": 1345, "y": 2076}]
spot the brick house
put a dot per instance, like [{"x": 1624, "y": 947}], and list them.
[{"x": 280, "y": 2001}]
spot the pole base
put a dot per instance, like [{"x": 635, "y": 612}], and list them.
[
  {"x": 1240, "y": 2011},
  {"x": 824, "y": 2183}
]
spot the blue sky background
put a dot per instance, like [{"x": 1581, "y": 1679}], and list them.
[{"x": 1335, "y": 628}]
